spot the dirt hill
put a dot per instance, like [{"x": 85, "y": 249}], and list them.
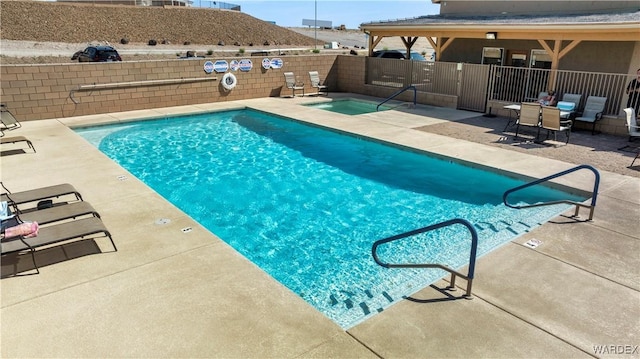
[{"x": 78, "y": 23}]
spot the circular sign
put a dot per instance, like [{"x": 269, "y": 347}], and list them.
[
  {"x": 246, "y": 65},
  {"x": 208, "y": 67},
  {"x": 266, "y": 63},
  {"x": 221, "y": 66},
  {"x": 276, "y": 63},
  {"x": 234, "y": 65}
]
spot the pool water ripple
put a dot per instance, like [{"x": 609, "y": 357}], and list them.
[{"x": 305, "y": 204}]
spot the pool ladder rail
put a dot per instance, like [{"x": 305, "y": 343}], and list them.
[
  {"x": 415, "y": 94},
  {"x": 594, "y": 194},
  {"x": 452, "y": 285}
]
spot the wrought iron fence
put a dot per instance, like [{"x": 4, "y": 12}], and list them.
[
  {"x": 517, "y": 84},
  {"x": 476, "y": 84}
]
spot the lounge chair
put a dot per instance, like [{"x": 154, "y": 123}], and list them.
[
  {"x": 592, "y": 111},
  {"x": 39, "y": 194},
  {"x": 16, "y": 139},
  {"x": 7, "y": 119},
  {"x": 58, "y": 213},
  {"x": 317, "y": 84},
  {"x": 529, "y": 116},
  {"x": 290, "y": 80},
  {"x": 66, "y": 231},
  {"x": 551, "y": 122}
]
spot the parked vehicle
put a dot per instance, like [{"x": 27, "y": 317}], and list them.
[
  {"x": 397, "y": 54},
  {"x": 97, "y": 54}
]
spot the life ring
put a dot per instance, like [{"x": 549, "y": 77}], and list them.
[{"x": 229, "y": 81}]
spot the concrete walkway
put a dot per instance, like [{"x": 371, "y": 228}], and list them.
[{"x": 167, "y": 293}]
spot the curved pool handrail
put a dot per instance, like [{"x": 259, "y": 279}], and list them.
[
  {"x": 472, "y": 255},
  {"x": 594, "y": 193}
]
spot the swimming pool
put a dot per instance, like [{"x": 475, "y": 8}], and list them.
[
  {"x": 349, "y": 106},
  {"x": 306, "y": 204}
]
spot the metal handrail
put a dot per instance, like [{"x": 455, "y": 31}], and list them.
[
  {"x": 415, "y": 95},
  {"x": 594, "y": 194},
  {"x": 127, "y": 84},
  {"x": 454, "y": 273}
]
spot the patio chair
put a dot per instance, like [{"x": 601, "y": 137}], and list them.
[
  {"x": 632, "y": 124},
  {"x": 633, "y": 128},
  {"x": 529, "y": 116},
  {"x": 572, "y": 97},
  {"x": 38, "y": 194},
  {"x": 592, "y": 111},
  {"x": 290, "y": 80},
  {"x": 53, "y": 234},
  {"x": 7, "y": 119},
  {"x": 16, "y": 139},
  {"x": 317, "y": 84},
  {"x": 551, "y": 122}
]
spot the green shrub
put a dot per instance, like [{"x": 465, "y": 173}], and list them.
[
  {"x": 241, "y": 50},
  {"x": 316, "y": 51},
  {"x": 209, "y": 52}
]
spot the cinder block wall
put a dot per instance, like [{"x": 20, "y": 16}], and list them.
[{"x": 34, "y": 92}]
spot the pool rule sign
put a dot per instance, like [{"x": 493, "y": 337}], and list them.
[
  {"x": 266, "y": 63},
  {"x": 208, "y": 67}
]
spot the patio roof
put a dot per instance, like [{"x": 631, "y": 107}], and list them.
[{"x": 549, "y": 30}]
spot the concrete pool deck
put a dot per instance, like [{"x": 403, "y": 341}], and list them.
[{"x": 166, "y": 293}]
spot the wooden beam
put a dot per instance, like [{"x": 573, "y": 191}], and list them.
[
  {"x": 446, "y": 43},
  {"x": 569, "y": 47},
  {"x": 373, "y": 42},
  {"x": 408, "y": 44},
  {"x": 434, "y": 46}
]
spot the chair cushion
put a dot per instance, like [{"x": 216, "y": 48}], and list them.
[{"x": 566, "y": 106}]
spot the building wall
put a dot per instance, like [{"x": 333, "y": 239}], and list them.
[
  {"x": 587, "y": 56},
  {"x": 513, "y": 7},
  {"x": 34, "y": 92}
]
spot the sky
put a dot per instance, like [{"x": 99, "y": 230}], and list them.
[{"x": 350, "y": 13}]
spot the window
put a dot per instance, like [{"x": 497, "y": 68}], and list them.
[
  {"x": 492, "y": 56},
  {"x": 540, "y": 59}
]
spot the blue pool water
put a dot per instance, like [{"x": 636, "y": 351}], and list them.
[
  {"x": 349, "y": 106},
  {"x": 306, "y": 204}
]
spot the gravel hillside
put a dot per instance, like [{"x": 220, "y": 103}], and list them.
[{"x": 82, "y": 23}]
